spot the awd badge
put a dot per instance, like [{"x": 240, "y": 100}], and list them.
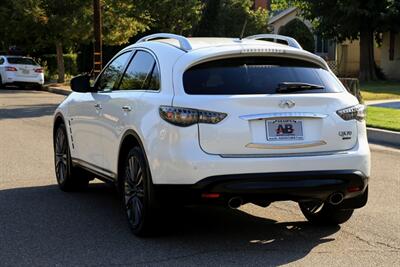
[{"x": 345, "y": 134}]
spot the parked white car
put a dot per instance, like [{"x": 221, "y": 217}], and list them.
[
  {"x": 218, "y": 121},
  {"x": 21, "y": 71}
]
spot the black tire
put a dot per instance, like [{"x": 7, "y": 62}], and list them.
[
  {"x": 69, "y": 178},
  {"x": 1, "y": 83},
  {"x": 324, "y": 213},
  {"x": 38, "y": 87},
  {"x": 138, "y": 195}
]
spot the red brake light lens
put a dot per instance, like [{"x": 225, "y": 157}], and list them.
[
  {"x": 187, "y": 116},
  {"x": 39, "y": 70},
  {"x": 11, "y": 69}
]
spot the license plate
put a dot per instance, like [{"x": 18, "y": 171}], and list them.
[
  {"x": 25, "y": 71},
  {"x": 278, "y": 130}
]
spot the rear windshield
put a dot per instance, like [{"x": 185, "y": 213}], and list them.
[
  {"x": 257, "y": 75},
  {"x": 21, "y": 61}
]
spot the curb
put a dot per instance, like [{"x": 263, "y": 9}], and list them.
[
  {"x": 384, "y": 137},
  {"x": 56, "y": 90}
]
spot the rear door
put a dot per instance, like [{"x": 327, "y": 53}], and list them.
[
  {"x": 262, "y": 119},
  {"x": 123, "y": 107}
]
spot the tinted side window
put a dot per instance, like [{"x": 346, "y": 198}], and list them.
[
  {"x": 1, "y": 61},
  {"x": 142, "y": 73},
  {"x": 112, "y": 74}
]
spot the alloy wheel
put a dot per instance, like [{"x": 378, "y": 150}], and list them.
[
  {"x": 61, "y": 156},
  {"x": 312, "y": 207},
  {"x": 134, "y": 191}
]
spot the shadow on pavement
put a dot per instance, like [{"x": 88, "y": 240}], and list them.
[
  {"x": 44, "y": 226},
  {"x": 28, "y": 111},
  {"x": 16, "y": 90}
]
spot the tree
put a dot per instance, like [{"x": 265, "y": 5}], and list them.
[
  {"x": 227, "y": 17},
  {"x": 63, "y": 24},
  {"x": 355, "y": 19},
  {"x": 175, "y": 16},
  {"x": 299, "y": 31}
]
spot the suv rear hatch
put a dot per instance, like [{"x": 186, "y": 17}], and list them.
[{"x": 274, "y": 105}]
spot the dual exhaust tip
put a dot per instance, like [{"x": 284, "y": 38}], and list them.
[
  {"x": 336, "y": 198},
  {"x": 235, "y": 202}
]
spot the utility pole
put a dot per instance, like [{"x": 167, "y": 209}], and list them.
[{"x": 98, "y": 50}]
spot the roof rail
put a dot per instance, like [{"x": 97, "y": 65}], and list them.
[
  {"x": 290, "y": 41},
  {"x": 183, "y": 41}
]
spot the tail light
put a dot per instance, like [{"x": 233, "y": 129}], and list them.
[
  {"x": 11, "y": 69},
  {"x": 187, "y": 116},
  {"x": 39, "y": 70},
  {"x": 357, "y": 112}
]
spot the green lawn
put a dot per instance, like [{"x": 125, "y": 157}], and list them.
[
  {"x": 380, "y": 90},
  {"x": 384, "y": 118}
]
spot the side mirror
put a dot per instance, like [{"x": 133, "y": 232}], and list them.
[{"x": 81, "y": 84}]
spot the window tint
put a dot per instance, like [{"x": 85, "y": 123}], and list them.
[
  {"x": 1, "y": 61},
  {"x": 112, "y": 74},
  {"x": 21, "y": 61},
  {"x": 142, "y": 73},
  {"x": 255, "y": 75},
  {"x": 154, "y": 83}
]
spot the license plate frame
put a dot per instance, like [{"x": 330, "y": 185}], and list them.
[
  {"x": 25, "y": 72},
  {"x": 284, "y": 130}
]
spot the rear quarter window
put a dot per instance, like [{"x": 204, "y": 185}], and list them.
[{"x": 256, "y": 75}]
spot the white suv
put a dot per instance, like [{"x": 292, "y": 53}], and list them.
[
  {"x": 22, "y": 71},
  {"x": 218, "y": 121}
]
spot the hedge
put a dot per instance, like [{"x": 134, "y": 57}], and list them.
[{"x": 49, "y": 63}]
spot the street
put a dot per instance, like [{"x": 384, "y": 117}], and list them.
[{"x": 41, "y": 225}]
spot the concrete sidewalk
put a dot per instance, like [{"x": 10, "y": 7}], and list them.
[
  {"x": 57, "y": 89},
  {"x": 388, "y": 103}
]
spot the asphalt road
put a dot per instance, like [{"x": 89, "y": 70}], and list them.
[{"x": 40, "y": 225}]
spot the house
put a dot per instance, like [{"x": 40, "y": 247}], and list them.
[
  {"x": 390, "y": 55},
  {"x": 323, "y": 48},
  {"x": 344, "y": 57}
]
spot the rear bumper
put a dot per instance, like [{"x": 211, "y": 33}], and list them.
[
  {"x": 296, "y": 186},
  {"x": 13, "y": 79}
]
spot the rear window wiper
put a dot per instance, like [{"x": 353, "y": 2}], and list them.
[{"x": 296, "y": 86}]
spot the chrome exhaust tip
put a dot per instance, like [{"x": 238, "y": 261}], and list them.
[
  {"x": 235, "y": 202},
  {"x": 336, "y": 198}
]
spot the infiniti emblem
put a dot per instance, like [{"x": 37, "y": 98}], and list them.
[{"x": 287, "y": 104}]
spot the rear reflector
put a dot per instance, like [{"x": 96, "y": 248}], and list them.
[
  {"x": 353, "y": 189},
  {"x": 39, "y": 70},
  {"x": 210, "y": 195},
  {"x": 11, "y": 69}
]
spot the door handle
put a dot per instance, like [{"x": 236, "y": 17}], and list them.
[
  {"x": 98, "y": 106},
  {"x": 127, "y": 108}
]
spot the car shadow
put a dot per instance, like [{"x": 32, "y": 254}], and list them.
[
  {"x": 27, "y": 111},
  {"x": 13, "y": 89},
  {"x": 44, "y": 226}
]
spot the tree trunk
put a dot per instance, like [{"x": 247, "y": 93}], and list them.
[
  {"x": 60, "y": 62},
  {"x": 367, "y": 60}
]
